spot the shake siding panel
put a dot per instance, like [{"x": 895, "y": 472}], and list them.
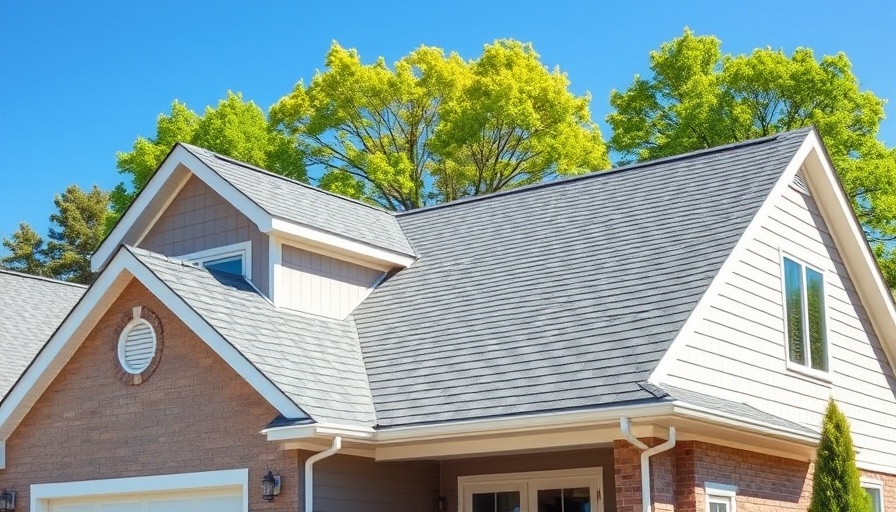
[
  {"x": 199, "y": 219},
  {"x": 739, "y": 350}
]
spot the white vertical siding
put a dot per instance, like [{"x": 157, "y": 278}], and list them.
[
  {"x": 738, "y": 350},
  {"x": 322, "y": 285}
]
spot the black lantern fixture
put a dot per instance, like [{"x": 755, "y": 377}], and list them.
[
  {"x": 7, "y": 501},
  {"x": 270, "y": 486}
]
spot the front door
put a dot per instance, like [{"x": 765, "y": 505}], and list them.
[{"x": 575, "y": 490}]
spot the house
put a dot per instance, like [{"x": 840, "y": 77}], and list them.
[{"x": 664, "y": 336}]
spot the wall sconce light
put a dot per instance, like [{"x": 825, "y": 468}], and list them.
[
  {"x": 7, "y": 501},
  {"x": 270, "y": 486}
]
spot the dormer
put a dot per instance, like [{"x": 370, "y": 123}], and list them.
[{"x": 301, "y": 247}]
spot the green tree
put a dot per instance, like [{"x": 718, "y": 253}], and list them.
[
  {"x": 78, "y": 227},
  {"x": 26, "y": 249},
  {"x": 836, "y": 486},
  {"x": 234, "y": 128},
  {"x": 699, "y": 98},
  {"x": 435, "y": 127}
]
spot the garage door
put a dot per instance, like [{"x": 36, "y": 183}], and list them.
[{"x": 217, "y": 500}]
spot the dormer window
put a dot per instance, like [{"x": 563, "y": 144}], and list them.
[
  {"x": 805, "y": 323},
  {"x": 232, "y": 259}
]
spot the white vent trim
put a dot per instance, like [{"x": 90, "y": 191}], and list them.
[{"x": 136, "y": 346}]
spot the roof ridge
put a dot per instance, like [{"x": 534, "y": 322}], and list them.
[
  {"x": 284, "y": 178},
  {"x": 596, "y": 174},
  {"x": 42, "y": 278}
]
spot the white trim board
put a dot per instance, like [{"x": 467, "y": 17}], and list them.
[
  {"x": 122, "y": 269},
  {"x": 41, "y": 494}
]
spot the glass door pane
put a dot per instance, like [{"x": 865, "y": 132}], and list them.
[
  {"x": 564, "y": 500},
  {"x": 508, "y": 501}
]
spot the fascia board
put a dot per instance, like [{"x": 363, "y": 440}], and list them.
[{"x": 305, "y": 234}]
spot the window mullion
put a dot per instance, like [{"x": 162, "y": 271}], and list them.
[{"x": 804, "y": 294}]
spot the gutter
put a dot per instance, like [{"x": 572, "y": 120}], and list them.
[
  {"x": 309, "y": 471},
  {"x": 646, "y": 453}
]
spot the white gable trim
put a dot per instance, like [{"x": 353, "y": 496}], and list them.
[
  {"x": 179, "y": 155},
  {"x": 63, "y": 344},
  {"x": 847, "y": 233}
]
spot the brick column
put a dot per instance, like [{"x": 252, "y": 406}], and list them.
[{"x": 627, "y": 468}]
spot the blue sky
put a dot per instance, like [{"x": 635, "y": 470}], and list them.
[{"x": 80, "y": 81}]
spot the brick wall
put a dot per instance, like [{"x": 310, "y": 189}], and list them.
[
  {"x": 627, "y": 468},
  {"x": 193, "y": 414},
  {"x": 765, "y": 483}
]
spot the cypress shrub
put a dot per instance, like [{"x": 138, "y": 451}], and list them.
[{"x": 836, "y": 486}]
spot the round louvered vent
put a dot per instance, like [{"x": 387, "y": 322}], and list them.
[{"x": 136, "y": 346}]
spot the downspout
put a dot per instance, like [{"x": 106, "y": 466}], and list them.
[
  {"x": 646, "y": 453},
  {"x": 309, "y": 471}
]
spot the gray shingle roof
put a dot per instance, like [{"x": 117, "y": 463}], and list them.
[
  {"x": 316, "y": 361},
  {"x": 557, "y": 296},
  {"x": 738, "y": 409},
  {"x": 31, "y": 308},
  {"x": 303, "y": 204}
]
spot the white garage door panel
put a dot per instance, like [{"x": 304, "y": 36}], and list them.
[{"x": 187, "y": 501}]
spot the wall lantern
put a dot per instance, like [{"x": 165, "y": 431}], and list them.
[
  {"x": 7, "y": 501},
  {"x": 270, "y": 486}
]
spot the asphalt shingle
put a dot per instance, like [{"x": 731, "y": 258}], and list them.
[
  {"x": 557, "y": 296},
  {"x": 31, "y": 308}
]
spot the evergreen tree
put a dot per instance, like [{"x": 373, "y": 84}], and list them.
[
  {"x": 836, "y": 486},
  {"x": 26, "y": 250}
]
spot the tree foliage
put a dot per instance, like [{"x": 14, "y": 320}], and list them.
[
  {"x": 77, "y": 230},
  {"x": 836, "y": 486},
  {"x": 698, "y": 98},
  {"x": 25, "y": 248},
  {"x": 234, "y": 128},
  {"x": 435, "y": 127}
]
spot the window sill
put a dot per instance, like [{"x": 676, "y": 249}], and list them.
[{"x": 804, "y": 372}]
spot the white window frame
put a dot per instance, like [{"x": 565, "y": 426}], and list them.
[
  {"x": 241, "y": 249},
  {"x": 529, "y": 483},
  {"x": 807, "y": 370},
  {"x": 230, "y": 479},
  {"x": 877, "y": 485},
  {"x": 721, "y": 494}
]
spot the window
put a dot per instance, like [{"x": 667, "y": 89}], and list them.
[
  {"x": 575, "y": 490},
  {"x": 231, "y": 259},
  {"x": 805, "y": 315},
  {"x": 875, "y": 491},
  {"x": 720, "y": 497}
]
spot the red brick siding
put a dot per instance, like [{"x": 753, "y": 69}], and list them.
[
  {"x": 194, "y": 414},
  {"x": 765, "y": 483},
  {"x": 627, "y": 468}
]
